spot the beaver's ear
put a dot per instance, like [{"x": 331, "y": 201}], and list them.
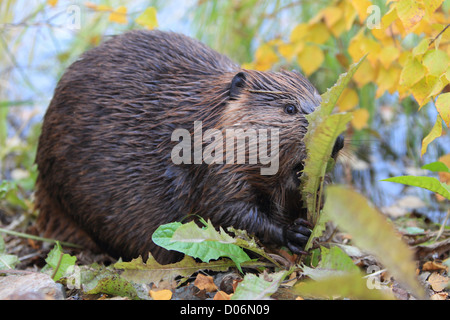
[{"x": 237, "y": 84}]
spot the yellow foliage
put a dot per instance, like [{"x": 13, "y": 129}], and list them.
[
  {"x": 434, "y": 133},
  {"x": 52, "y": 3},
  {"x": 412, "y": 72},
  {"x": 265, "y": 58},
  {"x": 443, "y": 107},
  {"x": 119, "y": 15},
  {"x": 436, "y": 61},
  {"x": 348, "y": 100},
  {"x": 392, "y": 65},
  {"x": 310, "y": 59},
  {"x": 360, "y": 118},
  {"x": 148, "y": 18},
  {"x": 410, "y": 13}
]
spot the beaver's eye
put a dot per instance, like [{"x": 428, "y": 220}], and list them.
[{"x": 290, "y": 109}]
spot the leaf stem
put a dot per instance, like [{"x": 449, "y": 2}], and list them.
[{"x": 37, "y": 238}]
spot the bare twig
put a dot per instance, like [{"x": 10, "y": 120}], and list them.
[{"x": 432, "y": 41}]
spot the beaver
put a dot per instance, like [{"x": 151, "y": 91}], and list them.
[{"x": 106, "y": 177}]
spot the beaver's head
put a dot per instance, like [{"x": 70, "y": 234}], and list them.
[{"x": 278, "y": 102}]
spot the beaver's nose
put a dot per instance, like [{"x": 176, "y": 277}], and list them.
[{"x": 338, "y": 145}]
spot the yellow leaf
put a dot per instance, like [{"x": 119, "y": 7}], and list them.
[
  {"x": 354, "y": 48},
  {"x": 52, "y": 3},
  {"x": 387, "y": 80},
  {"x": 90, "y": 5},
  {"x": 361, "y": 8},
  {"x": 103, "y": 7},
  {"x": 421, "y": 48},
  {"x": 349, "y": 14},
  {"x": 299, "y": 33},
  {"x": 387, "y": 55},
  {"x": 332, "y": 15},
  {"x": 222, "y": 295},
  {"x": 410, "y": 12},
  {"x": 148, "y": 18},
  {"x": 443, "y": 107},
  {"x": 412, "y": 72},
  {"x": 119, "y": 15},
  {"x": 361, "y": 45},
  {"x": 360, "y": 118},
  {"x": 421, "y": 91},
  {"x": 438, "y": 85},
  {"x": 422, "y": 27},
  {"x": 289, "y": 50},
  {"x": 447, "y": 74},
  {"x": 436, "y": 61},
  {"x": 348, "y": 100},
  {"x": 310, "y": 59},
  {"x": 338, "y": 28},
  {"x": 431, "y": 6},
  {"x": 389, "y": 17},
  {"x": 164, "y": 294},
  {"x": 205, "y": 283},
  {"x": 436, "y": 132},
  {"x": 318, "y": 33},
  {"x": 365, "y": 74},
  {"x": 265, "y": 57}
]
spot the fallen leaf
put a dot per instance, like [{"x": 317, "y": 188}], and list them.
[
  {"x": 439, "y": 296},
  {"x": 205, "y": 283},
  {"x": 221, "y": 295},
  {"x": 433, "y": 266},
  {"x": 161, "y": 294},
  {"x": 437, "y": 281}
]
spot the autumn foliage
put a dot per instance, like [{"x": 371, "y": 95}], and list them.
[{"x": 408, "y": 51}]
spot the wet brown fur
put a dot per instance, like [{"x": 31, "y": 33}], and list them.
[{"x": 106, "y": 179}]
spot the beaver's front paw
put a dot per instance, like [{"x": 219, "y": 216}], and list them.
[{"x": 296, "y": 235}]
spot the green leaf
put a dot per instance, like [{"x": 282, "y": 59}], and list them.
[
  {"x": 336, "y": 259},
  {"x": 96, "y": 279},
  {"x": 59, "y": 261},
  {"x": 320, "y": 138},
  {"x": 345, "y": 285},
  {"x": 435, "y": 132},
  {"x": 203, "y": 243},
  {"x": 429, "y": 183},
  {"x": 318, "y": 229},
  {"x": 436, "y": 166},
  {"x": 153, "y": 272},
  {"x": 7, "y": 261},
  {"x": 258, "y": 288},
  {"x": 371, "y": 232},
  {"x": 319, "y": 148},
  {"x": 332, "y": 95},
  {"x": 148, "y": 18}
]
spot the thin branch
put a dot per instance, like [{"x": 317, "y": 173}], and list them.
[{"x": 432, "y": 41}]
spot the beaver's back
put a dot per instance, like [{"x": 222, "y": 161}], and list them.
[{"x": 103, "y": 156}]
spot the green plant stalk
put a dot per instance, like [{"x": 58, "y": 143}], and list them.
[{"x": 37, "y": 238}]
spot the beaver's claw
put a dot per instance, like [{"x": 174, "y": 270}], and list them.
[{"x": 296, "y": 235}]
